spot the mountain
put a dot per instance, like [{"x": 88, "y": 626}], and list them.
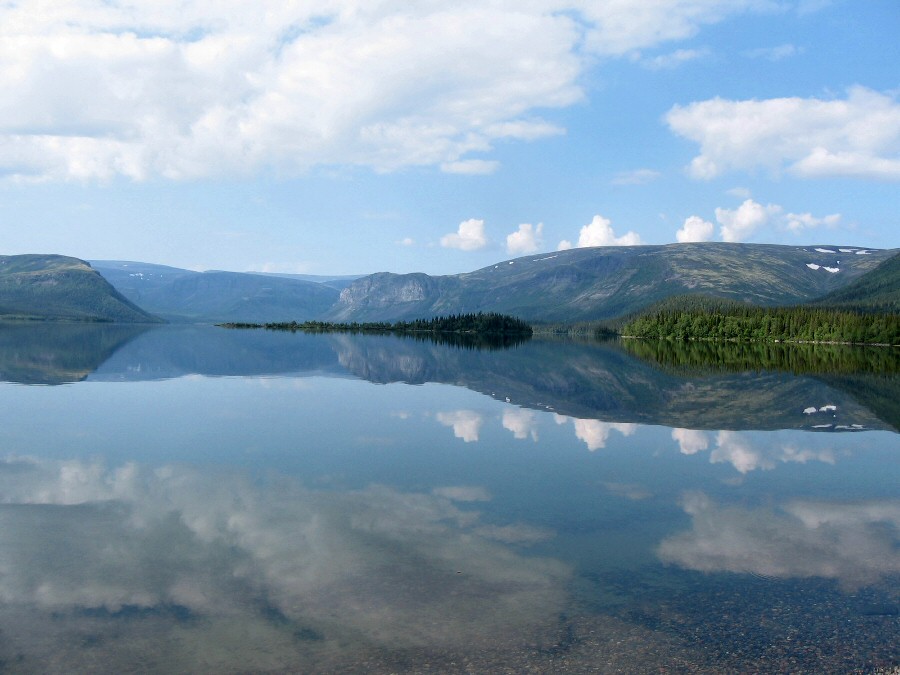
[
  {"x": 878, "y": 290},
  {"x": 210, "y": 297},
  {"x": 60, "y": 288},
  {"x": 339, "y": 282},
  {"x": 587, "y": 284}
]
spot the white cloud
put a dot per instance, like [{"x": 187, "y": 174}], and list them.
[
  {"x": 695, "y": 229},
  {"x": 674, "y": 59},
  {"x": 564, "y": 245},
  {"x": 635, "y": 177},
  {"x": 470, "y": 167},
  {"x": 522, "y": 423},
  {"x": 407, "y": 241},
  {"x": 853, "y": 543},
  {"x": 468, "y": 237},
  {"x": 527, "y": 239},
  {"x": 599, "y": 232},
  {"x": 857, "y": 136},
  {"x": 466, "y": 424},
  {"x": 806, "y": 221},
  {"x": 750, "y": 217},
  {"x": 182, "y": 90},
  {"x": 622, "y": 26},
  {"x": 773, "y": 53},
  {"x": 741, "y": 223}
]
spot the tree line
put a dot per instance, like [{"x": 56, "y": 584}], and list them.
[
  {"x": 481, "y": 323},
  {"x": 732, "y": 321}
]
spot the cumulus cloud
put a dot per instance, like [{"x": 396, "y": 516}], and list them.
[
  {"x": 741, "y": 223},
  {"x": 183, "y": 90},
  {"x": 853, "y": 543},
  {"x": 527, "y": 239},
  {"x": 807, "y": 221},
  {"x": 599, "y": 232},
  {"x": 857, "y": 136},
  {"x": 695, "y": 229},
  {"x": 748, "y": 219},
  {"x": 466, "y": 424},
  {"x": 469, "y": 236}
]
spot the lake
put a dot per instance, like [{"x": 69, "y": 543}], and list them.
[{"x": 196, "y": 499}]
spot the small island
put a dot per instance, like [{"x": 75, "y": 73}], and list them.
[{"x": 481, "y": 324}]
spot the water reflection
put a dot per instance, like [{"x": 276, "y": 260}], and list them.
[
  {"x": 595, "y": 433},
  {"x": 746, "y": 453},
  {"x": 673, "y": 385},
  {"x": 539, "y": 511},
  {"x": 522, "y": 423},
  {"x": 51, "y": 353},
  {"x": 466, "y": 424},
  {"x": 334, "y": 575},
  {"x": 855, "y": 543}
]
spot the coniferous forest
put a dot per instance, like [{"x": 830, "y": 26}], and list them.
[
  {"x": 731, "y": 321},
  {"x": 481, "y": 323}
]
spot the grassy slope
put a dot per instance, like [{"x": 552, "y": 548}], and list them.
[
  {"x": 878, "y": 290},
  {"x": 601, "y": 283},
  {"x": 53, "y": 287}
]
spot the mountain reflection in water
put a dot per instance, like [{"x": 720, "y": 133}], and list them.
[
  {"x": 195, "y": 499},
  {"x": 695, "y": 386}
]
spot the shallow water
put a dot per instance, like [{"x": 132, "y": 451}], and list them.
[{"x": 203, "y": 500}]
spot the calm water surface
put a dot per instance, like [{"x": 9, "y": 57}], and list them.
[{"x": 203, "y": 500}]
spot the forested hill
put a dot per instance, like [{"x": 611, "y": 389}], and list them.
[
  {"x": 599, "y": 283},
  {"x": 865, "y": 311},
  {"x": 877, "y": 291},
  {"x": 55, "y": 287}
]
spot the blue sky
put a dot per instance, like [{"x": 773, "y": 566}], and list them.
[{"x": 351, "y": 136}]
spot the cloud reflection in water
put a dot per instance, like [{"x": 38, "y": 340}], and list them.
[
  {"x": 746, "y": 453},
  {"x": 854, "y": 543},
  {"x": 373, "y": 566}
]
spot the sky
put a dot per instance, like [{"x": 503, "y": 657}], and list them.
[{"x": 355, "y": 136}]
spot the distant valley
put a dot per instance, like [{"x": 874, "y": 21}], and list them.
[
  {"x": 578, "y": 285},
  {"x": 185, "y": 296}
]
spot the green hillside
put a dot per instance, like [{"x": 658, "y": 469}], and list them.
[
  {"x": 590, "y": 284},
  {"x": 876, "y": 291},
  {"x": 60, "y": 288}
]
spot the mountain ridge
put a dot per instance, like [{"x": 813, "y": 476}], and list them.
[
  {"x": 55, "y": 287},
  {"x": 578, "y": 285},
  {"x": 598, "y": 283}
]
